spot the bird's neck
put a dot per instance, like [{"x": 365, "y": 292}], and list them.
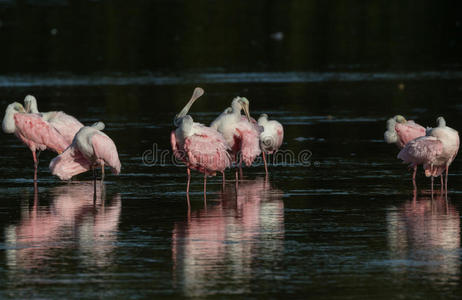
[{"x": 8, "y": 124}]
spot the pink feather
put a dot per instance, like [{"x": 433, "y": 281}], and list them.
[
  {"x": 38, "y": 134},
  {"x": 204, "y": 151},
  {"x": 423, "y": 150},
  {"x": 106, "y": 150},
  {"x": 408, "y": 131}
]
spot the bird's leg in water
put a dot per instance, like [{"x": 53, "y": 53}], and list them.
[
  {"x": 102, "y": 172},
  {"x": 224, "y": 179},
  {"x": 446, "y": 183},
  {"x": 264, "y": 161},
  {"x": 189, "y": 180},
  {"x": 205, "y": 187},
  {"x": 431, "y": 171},
  {"x": 441, "y": 183},
  {"x": 35, "y": 160},
  {"x": 413, "y": 175}
]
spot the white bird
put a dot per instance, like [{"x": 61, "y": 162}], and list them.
[
  {"x": 91, "y": 148},
  {"x": 271, "y": 137},
  {"x": 65, "y": 124},
  {"x": 435, "y": 152}
]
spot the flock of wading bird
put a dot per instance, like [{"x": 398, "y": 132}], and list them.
[
  {"x": 433, "y": 148},
  {"x": 230, "y": 138}
]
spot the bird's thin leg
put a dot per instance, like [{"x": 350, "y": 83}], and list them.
[
  {"x": 446, "y": 183},
  {"x": 240, "y": 169},
  {"x": 264, "y": 161},
  {"x": 441, "y": 183},
  {"x": 94, "y": 185},
  {"x": 224, "y": 178},
  {"x": 34, "y": 157},
  {"x": 189, "y": 180},
  {"x": 205, "y": 187},
  {"x": 414, "y": 173},
  {"x": 102, "y": 172}
]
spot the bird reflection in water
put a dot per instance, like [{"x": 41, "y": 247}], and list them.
[
  {"x": 227, "y": 243},
  {"x": 424, "y": 234},
  {"x": 75, "y": 220}
]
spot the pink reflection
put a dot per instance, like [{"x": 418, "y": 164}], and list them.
[
  {"x": 74, "y": 220},
  {"x": 424, "y": 233},
  {"x": 224, "y": 239}
]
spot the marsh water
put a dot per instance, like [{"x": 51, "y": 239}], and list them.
[{"x": 336, "y": 218}]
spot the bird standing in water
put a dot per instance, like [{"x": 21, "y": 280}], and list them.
[
  {"x": 241, "y": 133},
  {"x": 400, "y": 132},
  {"x": 199, "y": 147},
  {"x": 271, "y": 137},
  {"x": 38, "y": 134},
  {"x": 435, "y": 151},
  {"x": 90, "y": 148},
  {"x": 65, "y": 124}
]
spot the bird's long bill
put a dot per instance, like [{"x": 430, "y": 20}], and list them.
[
  {"x": 247, "y": 111},
  {"x": 196, "y": 94}
]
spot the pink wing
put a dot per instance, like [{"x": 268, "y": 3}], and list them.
[
  {"x": 179, "y": 153},
  {"x": 106, "y": 150},
  {"x": 70, "y": 163},
  {"x": 207, "y": 150},
  {"x": 280, "y": 134},
  {"x": 66, "y": 125},
  {"x": 423, "y": 150},
  {"x": 249, "y": 135},
  {"x": 408, "y": 131},
  {"x": 34, "y": 131}
]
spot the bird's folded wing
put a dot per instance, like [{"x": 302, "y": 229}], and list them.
[
  {"x": 70, "y": 163},
  {"x": 33, "y": 128},
  {"x": 105, "y": 149},
  {"x": 421, "y": 150}
]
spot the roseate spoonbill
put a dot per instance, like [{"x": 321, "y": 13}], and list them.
[
  {"x": 271, "y": 137},
  {"x": 400, "y": 132},
  {"x": 435, "y": 152},
  {"x": 199, "y": 147},
  {"x": 90, "y": 148},
  {"x": 241, "y": 134},
  {"x": 33, "y": 131},
  {"x": 65, "y": 124}
]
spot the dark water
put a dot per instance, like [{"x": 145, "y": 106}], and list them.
[{"x": 340, "y": 223}]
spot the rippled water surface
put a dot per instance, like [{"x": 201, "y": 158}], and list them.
[
  {"x": 341, "y": 223},
  {"x": 336, "y": 219}
]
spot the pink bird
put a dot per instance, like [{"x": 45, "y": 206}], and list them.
[
  {"x": 37, "y": 133},
  {"x": 65, "y": 124},
  {"x": 199, "y": 147},
  {"x": 435, "y": 152},
  {"x": 400, "y": 132},
  {"x": 271, "y": 137},
  {"x": 241, "y": 134},
  {"x": 90, "y": 148}
]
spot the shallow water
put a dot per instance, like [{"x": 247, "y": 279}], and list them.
[
  {"x": 336, "y": 219},
  {"x": 341, "y": 223}
]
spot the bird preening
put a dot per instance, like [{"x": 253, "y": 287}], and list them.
[
  {"x": 433, "y": 148},
  {"x": 231, "y": 138},
  {"x": 79, "y": 148},
  {"x": 234, "y": 138}
]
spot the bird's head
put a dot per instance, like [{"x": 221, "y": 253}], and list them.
[
  {"x": 98, "y": 125},
  {"x": 16, "y": 107},
  {"x": 441, "y": 122},
  {"x": 241, "y": 103},
  {"x": 196, "y": 94},
  {"x": 30, "y": 103},
  {"x": 400, "y": 119}
]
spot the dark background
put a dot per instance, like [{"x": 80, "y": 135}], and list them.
[{"x": 171, "y": 36}]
